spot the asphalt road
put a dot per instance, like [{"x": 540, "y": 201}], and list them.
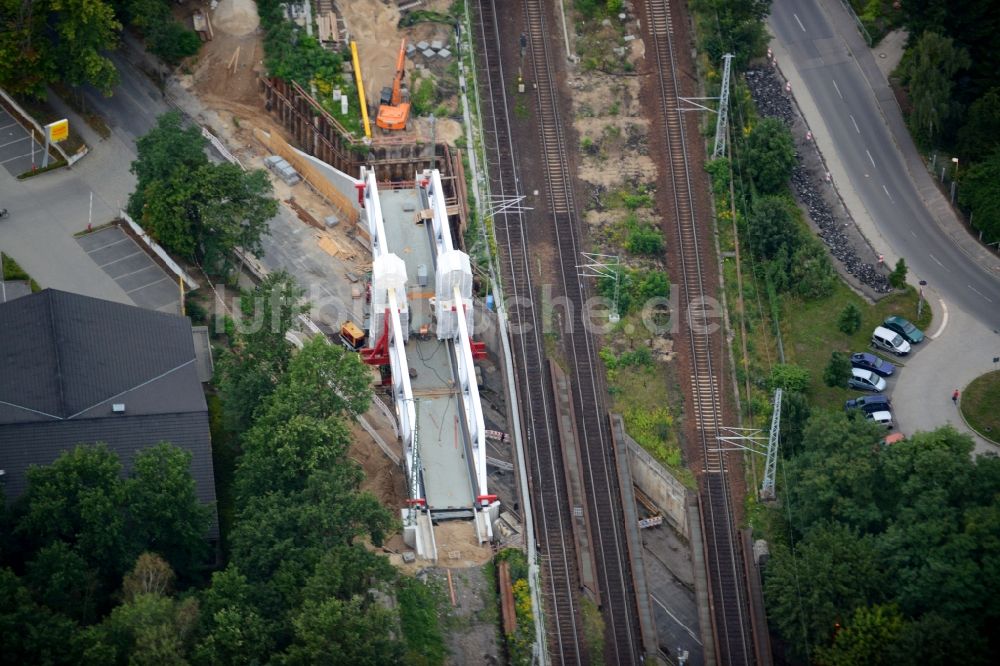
[{"x": 869, "y": 155}]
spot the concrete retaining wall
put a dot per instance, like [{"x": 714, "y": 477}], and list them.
[{"x": 660, "y": 485}]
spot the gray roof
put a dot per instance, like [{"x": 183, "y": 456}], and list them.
[
  {"x": 11, "y": 289},
  {"x": 66, "y": 360}
]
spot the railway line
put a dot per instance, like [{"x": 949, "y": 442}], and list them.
[
  {"x": 730, "y": 611},
  {"x": 560, "y": 577},
  {"x": 562, "y": 581}
]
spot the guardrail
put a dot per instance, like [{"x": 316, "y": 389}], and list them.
[{"x": 189, "y": 282}]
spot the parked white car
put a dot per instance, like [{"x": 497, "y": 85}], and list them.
[{"x": 883, "y": 338}]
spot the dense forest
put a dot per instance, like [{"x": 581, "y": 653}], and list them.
[{"x": 951, "y": 75}]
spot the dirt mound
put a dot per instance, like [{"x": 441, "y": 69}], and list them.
[{"x": 236, "y": 17}]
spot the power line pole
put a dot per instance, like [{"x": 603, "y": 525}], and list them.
[{"x": 722, "y": 120}]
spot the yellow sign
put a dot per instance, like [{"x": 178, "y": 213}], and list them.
[{"x": 58, "y": 131}]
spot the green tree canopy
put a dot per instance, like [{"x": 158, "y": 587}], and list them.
[
  {"x": 164, "y": 513},
  {"x": 737, "y": 27},
  {"x": 838, "y": 370},
  {"x": 980, "y": 136},
  {"x": 49, "y": 41},
  {"x": 197, "y": 209},
  {"x": 929, "y": 71},
  {"x": 980, "y": 192},
  {"x": 772, "y": 228},
  {"x": 249, "y": 372},
  {"x": 768, "y": 155}
]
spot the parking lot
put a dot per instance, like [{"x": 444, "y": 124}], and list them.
[
  {"x": 118, "y": 255},
  {"x": 17, "y": 146}
]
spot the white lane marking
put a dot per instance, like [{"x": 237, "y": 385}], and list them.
[
  {"x": 799, "y": 22},
  {"x": 871, "y": 159},
  {"x": 938, "y": 262},
  {"x": 16, "y": 157},
  {"x": 837, "y": 88},
  {"x": 856, "y": 128},
  {"x": 913, "y": 233},
  {"x": 674, "y": 617},
  {"x": 11, "y": 143},
  {"x": 981, "y": 293},
  {"x": 944, "y": 320},
  {"x": 886, "y": 190}
]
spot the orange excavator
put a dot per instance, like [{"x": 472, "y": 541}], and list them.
[{"x": 393, "y": 112}]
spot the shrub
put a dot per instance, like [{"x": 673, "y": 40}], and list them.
[
  {"x": 838, "y": 370},
  {"x": 850, "y": 319},
  {"x": 645, "y": 239},
  {"x": 898, "y": 276},
  {"x": 789, "y": 377}
]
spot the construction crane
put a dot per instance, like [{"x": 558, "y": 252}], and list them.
[{"x": 393, "y": 112}]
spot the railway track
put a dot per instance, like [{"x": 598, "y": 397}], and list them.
[
  {"x": 622, "y": 639},
  {"x": 566, "y": 642},
  {"x": 728, "y": 591},
  {"x": 560, "y": 577}
]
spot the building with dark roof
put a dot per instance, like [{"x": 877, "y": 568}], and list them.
[{"x": 79, "y": 370}]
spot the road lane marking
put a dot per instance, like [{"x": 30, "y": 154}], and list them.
[
  {"x": 938, "y": 262},
  {"x": 11, "y": 143},
  {"x": 674, "y": 617},
  {"x": 799, "y": 22},
  {"x": 837, "y": 88},
  {"x": 16, "y": 157},
  {"x": 913, "y": 233},
  {"x": 944, "y": 320},
  {"x": 886, "y": 190},
  {"x": 872, "y": 159},
  {"x": 856, "y": 128},
  {"x": 981, "y": 293}
]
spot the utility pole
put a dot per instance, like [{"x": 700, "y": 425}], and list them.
[{"x": 722, "y": 120}]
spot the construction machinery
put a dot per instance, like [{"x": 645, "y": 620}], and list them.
[
  {"x": 352, "y": 337},
  {"x": 393, "y": 112}
]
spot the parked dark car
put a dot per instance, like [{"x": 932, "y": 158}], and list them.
[
  {"x": 876, "y": 402},
  {"x": 867, "y": 361},
  {"x": 904, "y": 327}
]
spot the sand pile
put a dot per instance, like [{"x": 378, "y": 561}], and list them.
[{"x": 236, "y": 17}]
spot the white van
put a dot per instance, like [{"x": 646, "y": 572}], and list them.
[
  {"x": 883, "y": 418},
  {"x": 891, "y": 341}
]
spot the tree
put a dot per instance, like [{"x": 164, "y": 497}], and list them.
[
  {"x": 150, "y": 630},
  {"x": 332, "y": 631},
  {"x": 169, "y": 149},
  {"x": 232, "y": 629},
  {"x": 250, "y": 371},
  {"x": 232, "y": 208},
  {"x": 789, "y": 377},
  {"x": 898, "y": 276},
  {"x": 768, "y": 155},
  {"x": 811, "y": 272},
  {"x": 772, "y": 228},
  {"x": 78, "y": 499},
  {"x": 83, "y": 31},
  {"x": 980, "y": 136},
  {"x": 737, "y": 28},
  {"x": 932, "y": 64},
  {"x": 150, "y": 575},
  {"x": 979, "y": 192},
  {"x": 871, "y": 636},
  {"x": 49, "y": 41},
  {"x": 838, "y": 473},
  {"x": 33, "y": 634},
  {"x": 832, "y": 571},
  {"x": 838, "y": 370},
  {"x": 849, "y": 320},
  {"x": 62, "y": 581},
  {"x": 164, "y": 513}
]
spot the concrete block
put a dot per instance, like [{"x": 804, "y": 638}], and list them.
[
  {"x": 437, "y": 44},
  {"x": 422, "y": 45},
  {"x": 428, "y": 53},
  {"x": 444, "y": 53}
]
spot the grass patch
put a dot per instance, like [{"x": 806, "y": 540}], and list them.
[
  {"x": 419, "y": 607},
  {"x": 640, "y": 389},
  {"x": 593, "y": 629},
  {"x": 979, "y": 405},
  {"x": 811, "y": 333},
  {"x": 13, "y": 271}
]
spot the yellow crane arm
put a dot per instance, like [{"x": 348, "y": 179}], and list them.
[{"x": 361, "y": 89}]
